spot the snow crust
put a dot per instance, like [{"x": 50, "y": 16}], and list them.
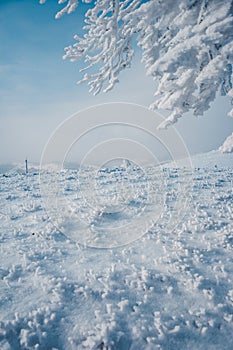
[{"x": 170, "y": 289}]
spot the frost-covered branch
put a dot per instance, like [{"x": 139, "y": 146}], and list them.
[
  {"x": 107, "y": 45},
  {"x": 70, "y": 6},
  {"x": 189, "y": 51},
  {"x": 187, "y": 46}
]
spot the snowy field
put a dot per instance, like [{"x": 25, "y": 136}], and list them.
[{"x": 170, "y": 289}]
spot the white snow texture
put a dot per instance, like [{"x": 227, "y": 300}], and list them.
[{"x": 171, "y": 289}]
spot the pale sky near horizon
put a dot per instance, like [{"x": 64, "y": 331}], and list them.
[{"x": 38, "y": 89}]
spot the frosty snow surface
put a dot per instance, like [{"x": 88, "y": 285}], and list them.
[{"x": 172, "y": 288}]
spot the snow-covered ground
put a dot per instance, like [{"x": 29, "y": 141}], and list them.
[{"x": 170, "y": 289}]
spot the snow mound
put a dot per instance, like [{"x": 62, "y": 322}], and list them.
[{"x": 227, "y": 146}]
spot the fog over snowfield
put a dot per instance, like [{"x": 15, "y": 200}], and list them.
[{"x": 172, "y": 288}]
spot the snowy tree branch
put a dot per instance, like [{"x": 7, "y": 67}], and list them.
[{"x": 187, "y": 46}]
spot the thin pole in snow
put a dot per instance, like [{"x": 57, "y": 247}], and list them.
[{"x": 26, "y": 166}]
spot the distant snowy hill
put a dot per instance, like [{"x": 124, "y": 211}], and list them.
[
  {"x": 172, "y": 288},
  {"x": 212, "y": 159}
]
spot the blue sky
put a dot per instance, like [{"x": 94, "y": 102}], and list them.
[{"x": 38, "y": 89}]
